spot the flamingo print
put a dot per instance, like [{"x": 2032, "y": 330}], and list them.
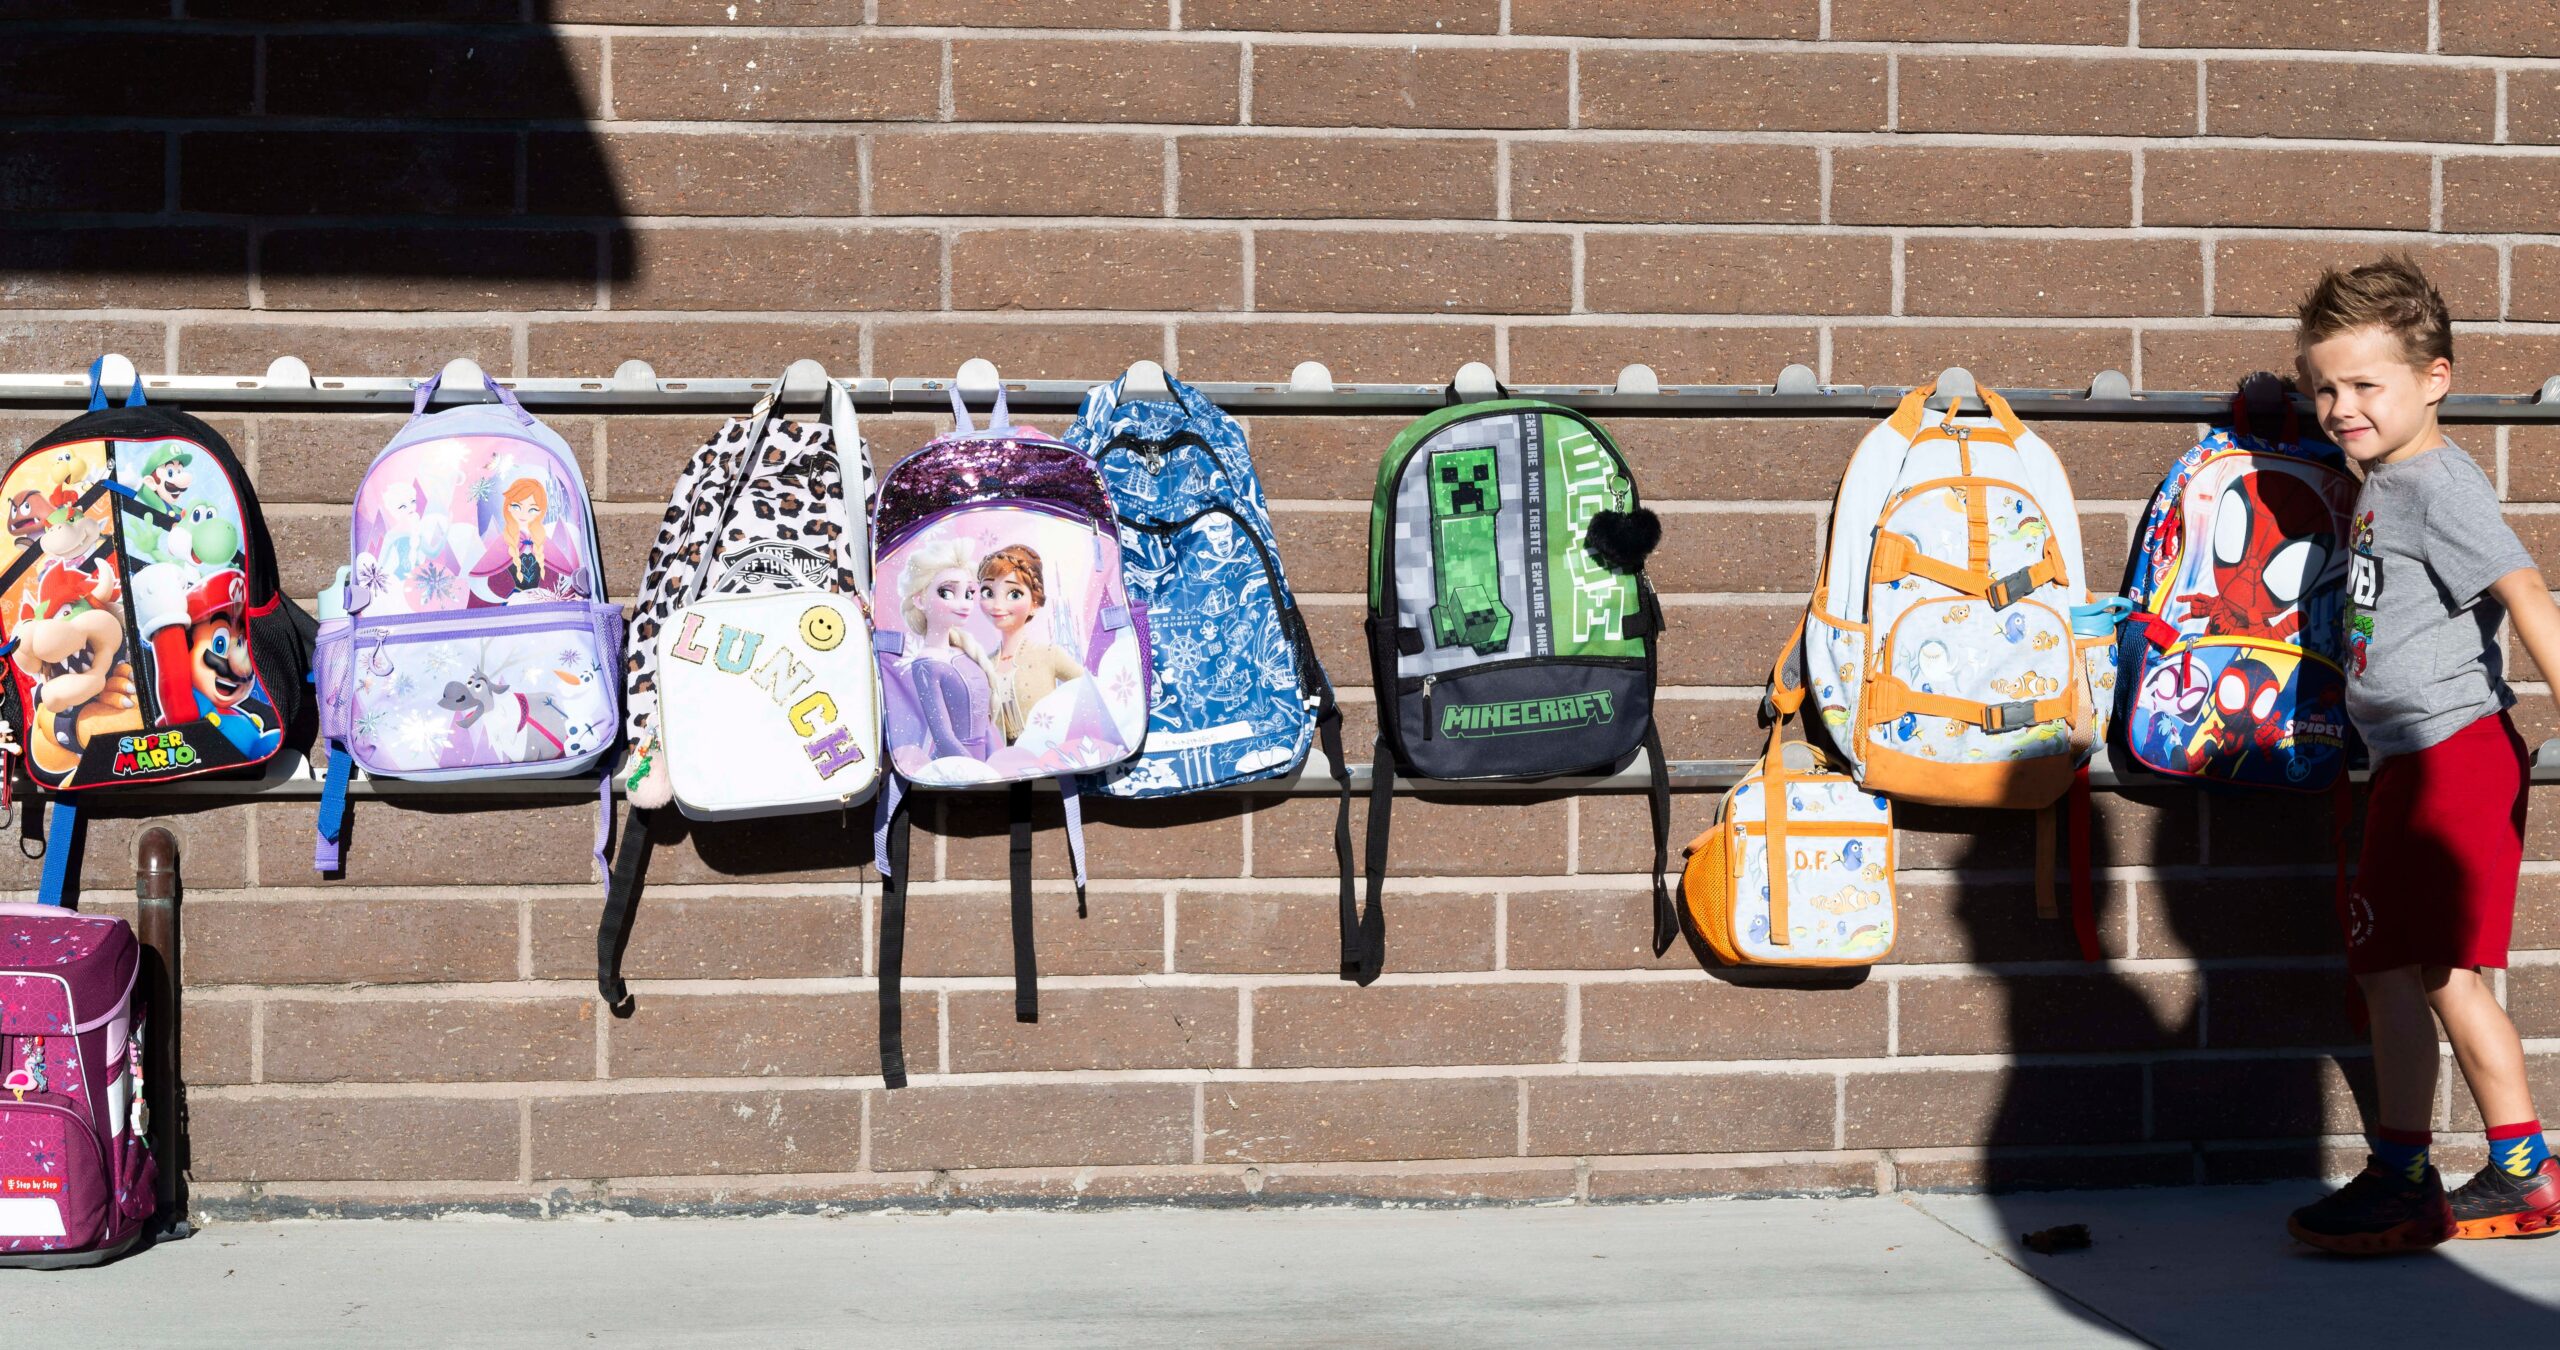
[{"x": 27, "y": 1077}]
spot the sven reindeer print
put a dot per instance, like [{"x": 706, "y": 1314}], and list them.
[{"x": 518, "y": 727}]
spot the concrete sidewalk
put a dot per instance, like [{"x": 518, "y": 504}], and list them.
[{"x": 2178, "y": 1268}]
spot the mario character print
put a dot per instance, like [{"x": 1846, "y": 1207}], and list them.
[{"x": 65, "y": 602}]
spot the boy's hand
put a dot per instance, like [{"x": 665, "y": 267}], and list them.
[{"x": 2536, "y": 620}]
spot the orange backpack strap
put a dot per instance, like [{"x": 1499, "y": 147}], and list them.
[{"x": 1784, "y": 700}]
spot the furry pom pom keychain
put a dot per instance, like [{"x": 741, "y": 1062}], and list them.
[{"x": 1623, "y": 539}]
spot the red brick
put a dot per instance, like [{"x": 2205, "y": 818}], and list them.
[
  {"x": 1031, "y": 351},
  {"x": 2542, "y": 1081},
  {"x": 2114, "y": 461},
  {"x": 1079, "y": 1125},
  {"x": 1798, "y": 19},
  {"x": 1349, "y": 271},
  {"x": 2498, "y": 28},
  {"x": 2074, "y": 1013},
  {"x": 217, "y": 1043},
  {"x": 2269, "y": 277},
  {"x": 1091, "y": 1030},
  {"x": 2006, "y": 357},
  {"x": 1395, "y": 1024},
  {"x": 2048, "y": 1104},
  {"x": 1563, "y": 354},
  {"x": 695, "y": 348},
  {"x": 695, "y": 1134},
  {"x": 748, "y": 935},
  {"x": 2287, "y": 189},
  {"x": 2533, "y": 475},
  {"x": 212, "y": 848},
  {"x": 267, "y": 1139},
  {"x": 1736, "y": 551},
  {"x": 2094, "y": 22},
  {"x": 1809, "y": 1177},
  {"x": 1199, "y": 836},
  {"x": 335, "y": 349},
  {"x": 1725, "y": 645},
  {"x": 2213, "y": 359},
  {"x": 2497, "y": 193},
  {"x": 1354, "y": 352},
  {"x": 2280, "y": 1009},
  {"x": 70, "y": 343},
  {"x": 424, "y": 843},
  {"x": 1018, "y": 173},
  {"x": 1315, "y": 457},
  {"x": 1601, "y": 928},
  {"x": 1940, "y": 918},
  {"x": 1515, "y": 1185},
  {"x": 2507, "y": 362},
  {"x": 1057, "y": 80},
  {"x": 1083, "y": 1186},
  {"x": 759, "y": 1035},
  {"x": 2060, "y": 278},
  {"x": 777, "y": 78},
  {"x": 1296, "y": 933},
  {"x": 52, "y": 268},
  {"x": 1409, "y": 86},
  {"x": 1097, "y": 269},
  {"x": 2009, "y": 1170},
  {"x": 1942, "y": 185},
  {"x": 1617, "y": 827},
  {"x": 342, "y": 173},
  {"x": 2266, "y": 829},
  {"x": 321, "y": 457},
  {"x": 1336, "y": 177},
  {"x": 495, "y": 75},
  {"x": 161, "y": 71},
  {"x": 2270, "y": 916},
  {"x": 411, "y": 269},
  {"x": 972, "y": 934},
  {"x": 1710, "y": 1019},
  {"x": 1707, "y": 728},
  {"x": 2533, "y": 104},
  {"x": 694, "y": 12},
  {"x": 85, "y": 171},
  {"x": 1007, "y": 13},
  {"x": 811, "y": 268},
  {"x": 1738, "y": 273},
  {"x": 684, "y": 173},
  {"x": 2045, "y": 96},
  {"x": 1362, "y": 1120},
  {"x": 2274, "y": 1098},
  {"x": 2360, "y": 100},
  {"x": 1343, "y": 16},
  {"x": 1667, "y": 1113},
  {"x": 467, "y": 1040},
  {"x": 2533, "y": 283},
  {"x": 350, "y": 941},
  {"x": 1328, "y": 554},
  {"x": 2346, "y": 25},
  {"x": 1732, "y": 91},
  {"x": 1506, "y": 836},
  {"x": 1672, "y": 183}
]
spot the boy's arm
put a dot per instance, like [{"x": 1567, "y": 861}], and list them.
[{"x": 2536, "y": 618}]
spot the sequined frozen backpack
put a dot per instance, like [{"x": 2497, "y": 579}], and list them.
[{"x": 1009, "y": 652}]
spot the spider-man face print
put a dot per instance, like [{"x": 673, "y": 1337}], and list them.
[{"x": 2273, "y": 540}]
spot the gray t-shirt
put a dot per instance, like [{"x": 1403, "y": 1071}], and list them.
[{"x": 2423, "y": 659}]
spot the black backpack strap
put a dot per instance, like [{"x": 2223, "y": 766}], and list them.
[
  {"x": 1329, "y": 739},
  {"x": 893, "y": 945},
  {"x": 621, "y": 905},
  {"x": 1666, "y": 918},
  {"x": 1364, "y": 946},
  {"x": 1026, "y": 967}
]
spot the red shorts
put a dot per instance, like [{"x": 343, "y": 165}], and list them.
[{"x": 2443, "y": 841}]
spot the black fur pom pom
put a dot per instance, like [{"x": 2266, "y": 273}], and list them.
[{"x": 1623, "y": 539}]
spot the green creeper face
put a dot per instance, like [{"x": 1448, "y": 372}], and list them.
[{"x": 1462, "y": 483}]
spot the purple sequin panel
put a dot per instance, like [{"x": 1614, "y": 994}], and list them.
[{"x": 955, "y": 471}]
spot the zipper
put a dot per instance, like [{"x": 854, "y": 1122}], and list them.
[
  {"x": 1032, "y": 505},
  {"x": 1427, "y": 682},
  {"x": 1609, "y": 662},
  {"x": 1280, "y": 598}
]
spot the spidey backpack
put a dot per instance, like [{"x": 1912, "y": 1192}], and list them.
[{"x": 2237, "y": 652}]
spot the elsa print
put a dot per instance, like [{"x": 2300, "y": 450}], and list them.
[
  {"x": 947, "y": 669},
  {"x": 1012, "y": 591}
]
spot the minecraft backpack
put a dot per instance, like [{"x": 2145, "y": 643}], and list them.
[
  {"x": 1511, "y": 626},
  {"x": 2237, "y": 652},
  {"x": 146, "y": 636},
  {"x": 1952, "y": 646},
  {"x": 748, "y": 673},
  {"x": 468, "y": 636},
  {"x": 1239, "y": 692},
  {"x": 78, "y": 1180},
  {"x": 1010, "y": 651}
]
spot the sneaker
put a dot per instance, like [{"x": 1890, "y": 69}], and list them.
[
  {"x": 2377, "y": 1214},
  {"x": 2500, "y": 1204}
]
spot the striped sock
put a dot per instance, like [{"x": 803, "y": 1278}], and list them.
[
  {"x": 2519, "y": 1150},
  {"x": 2402, "y": 1153}
]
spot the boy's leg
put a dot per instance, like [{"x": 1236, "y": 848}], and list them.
[
  {"x": 2398, "y": 1204},
  {"x": 2518, "y": 1194},
  {"x": 2404, "y": 1049}
]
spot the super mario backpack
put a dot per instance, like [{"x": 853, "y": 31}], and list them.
[
  {"x": 1511, "y": 626},
  {"x": 2236, "y": 655},
  {"x": 468, "y": 636},
  {"x": 146, "y": 634},
  {"x": 1239, "y": 692},
  {"x": 1010, "y": 652},
  {"x": 749, "y": 677}
]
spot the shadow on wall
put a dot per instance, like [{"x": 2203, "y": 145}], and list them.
[{"x": 447, "y": 140}]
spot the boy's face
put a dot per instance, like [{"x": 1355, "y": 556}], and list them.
[{"x": 2371, "y": 401}]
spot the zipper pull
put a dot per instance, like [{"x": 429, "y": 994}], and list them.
[{"x": 1427, "y": 682}]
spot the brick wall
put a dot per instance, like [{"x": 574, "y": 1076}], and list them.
[{"x": 1875, "y": 189}]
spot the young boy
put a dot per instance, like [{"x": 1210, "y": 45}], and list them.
[{"x": 2434, "y": 569}]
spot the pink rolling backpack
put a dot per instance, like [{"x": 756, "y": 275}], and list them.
[{"x": 78, "y": 1182}]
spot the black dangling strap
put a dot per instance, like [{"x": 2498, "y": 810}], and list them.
[
  {"x": 1364, "y": 948},
  {"x": 621, "y": 908},
  {"x": 893, "y": 948},
  {"x": 1666, "y": 918},
  {"x": 1026, "y": 969}
]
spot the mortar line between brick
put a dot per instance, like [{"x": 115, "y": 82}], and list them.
[
  {"x": 2435, "y": 26},
  {"x": 1244, "y": 84},
  {"x": 2133, "y": 24},
  {"x": 2138, "y": 187},
  {"x": 862, "y": 1152},
  {"x": 1501, "y": 178},
  {"x": 257, "y": 1040},
  {"x": 2435, "y": 192},
  {"x": 1172, "y": 938},
  {"x": 524, "y": 939},
  {"x": 1244, "y": 1026},
  {"x": 2498, "y": 131},
  {"x": 1199, "y": 1123},
  {"x": 1502, "y": 930},
  {"x": 1892, "y": 91},
  {"x": 1521, "y": 1116},
  {"x": 1823, "y": 169},
  {"x": 604, "y": 78},
  {"x": 862, "y": 173},
  {"x": 1502, "y": 17},
  {"x": 1840, "y": 1110},
  {"x": 942, "y": 1028},
  {"x": 1573, "y": 86},
  {"x": 1822, "y": 20},
  {"x": 1571, "y": 1052},
  {"x": 2204, "y": 101},
  {"x": 604, "y": 1043},
  {"x": 947, "y": 103},
  {"x": 524, "y": 1140},
  {"x": 1893, "y": 1017},
  {"x": 1173, "y": 177}
]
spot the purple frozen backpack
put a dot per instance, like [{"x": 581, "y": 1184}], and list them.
[
  {"x": 78, "y": 1183},
  {"x": 1009, "y": 652}
]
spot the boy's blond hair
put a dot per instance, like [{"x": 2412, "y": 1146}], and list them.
[{"x": 2390, "y": 294}]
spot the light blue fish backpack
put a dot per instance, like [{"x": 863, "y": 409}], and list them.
[{"x": 1239, "y": 693}]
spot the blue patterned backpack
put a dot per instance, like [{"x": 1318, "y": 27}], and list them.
[{"x": 1239, "y": 693}]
